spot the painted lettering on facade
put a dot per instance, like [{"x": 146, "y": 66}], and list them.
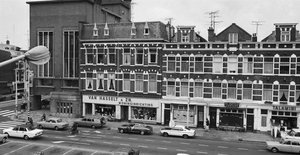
[
  {"x": 284, "y": 108},
  {"x": 231, "y": 105},
  {"x": 136, "y": 104}
]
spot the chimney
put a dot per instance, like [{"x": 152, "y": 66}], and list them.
[
  {"x": 7, "y": 42},
  {"x": 254, "y": 37},
  {"x": 211, "y": 34},
  {"x": 293, "y": 33}
]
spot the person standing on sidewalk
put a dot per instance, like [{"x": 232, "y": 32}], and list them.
[{"x": 207, "y": 125}]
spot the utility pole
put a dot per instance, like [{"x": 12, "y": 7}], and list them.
[
  {"x": 257, "y": 23},
  {"x": 212, "y": 16}
]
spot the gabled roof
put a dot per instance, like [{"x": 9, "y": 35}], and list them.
[
  {"x": 272, "y": 37},
  {"x": 232, "y": 26}
]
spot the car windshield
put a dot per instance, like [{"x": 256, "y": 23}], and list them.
[
  {"x": 187, "y": 128},
  {"x": 59, "y": 120},
  {"x": 291, "y": 133}
]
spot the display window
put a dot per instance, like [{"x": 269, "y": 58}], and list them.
[
  {"x": 180, "y": 113},
  {"x": 105, "y": 110},
  {"x": 143, "y": 113},
  {"x": 231, "y": 117}
]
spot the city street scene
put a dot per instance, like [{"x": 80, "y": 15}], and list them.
[{"x": 159, "y": 77}]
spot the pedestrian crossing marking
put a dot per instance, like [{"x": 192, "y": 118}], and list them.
[
  {"x": 7, "y": 124},
  {"x": 6, "y": 113}
]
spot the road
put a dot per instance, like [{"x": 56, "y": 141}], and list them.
[{"x": 93, "y": 141}]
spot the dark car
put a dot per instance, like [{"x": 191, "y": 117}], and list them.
[
  {"x": 93, "y": 122},
  {"x": 136, "y": 128}
]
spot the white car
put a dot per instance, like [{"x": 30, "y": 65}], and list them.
[
  {"x": 178, "y": 130},
  {"x": 23, "y": 131},
  {"x": 53, "y": 123},
  {"x": 292, "y": 134},
  {"x": 284, "y": 145}
]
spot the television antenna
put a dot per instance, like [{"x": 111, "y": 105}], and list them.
[
  {"x": 212, "y": 16},
  {"x": 257, "y": 23}
]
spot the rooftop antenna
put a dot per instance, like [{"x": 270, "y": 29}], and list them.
[
  {"x": 257, "y": 23},
  {"x": 170, "y": 20},
  {"x": 212, "y": 16},
  {"x": 132, "y": 3}
]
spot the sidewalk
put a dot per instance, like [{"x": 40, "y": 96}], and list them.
[{"x": 211, "y": 135}]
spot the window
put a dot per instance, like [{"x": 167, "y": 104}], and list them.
[
  {"x": 267, "y": 93},
  {"x": 258, "y": 65},
  {"x": 126, "y": 56},
  {"x": 285, "y": 34},
  {"x": 207, "y": 89},
  {"x": 199, "y": 64},
  {"x": 217, "y": 89},
  {"x": 139, "y": 57},
  {"x": 126, "y": 82},
  {"x": 111, "y": 55},
  {"x": 247, "y": 91},
  {"x": 207, "y": 64},
  {"x": 185, "y": 38},
  {"x": 111, "y": 81},
  {"x": 171, "y": 88},
  {"x": 171, "y": 64},
  {"x": 268, "y": 65},
  {"x": 100, "y": 81},
  {"x": 185, "y": 64},
  {"x": 71, "y": 54},
  {"x": 152, "y": 83},
  {"x": 248, "y": 64},
  {"x": 284, "y": 65},
  {"x": 264, "y": 121},
  {"x": 217, "y": 64},
  {"x": 153, "y": 55},
  {"x": 198, "y": 89},
  {"x": 232, "y": 64},
  {"x": 139, "y": 82},
  {"x": 45, "y": 38},
  {"x": 283, "y": 93},
  {"x": 233, "y": 38},
  {"x": 184, "y": 91},
  {"x": 257, "y": 92},
  {"x": 146, "y": 31},
  {"x": 232, "y": 90},
  {"x": 100, "y": 56},
  {"x": 106, "y": 32},
  {"x": 89, "y": 81},
  {"x": 89, "y": 58},
  {"x": 143, "y": 113}
]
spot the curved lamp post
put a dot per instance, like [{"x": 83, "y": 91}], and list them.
[{"x": 38, "y": 55}]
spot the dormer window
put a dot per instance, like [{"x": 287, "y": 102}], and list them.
[
  {"x": 95, "y": 31},
  {"x": 133, "y": 29},
  {"x": 146, "y": 29},
  {"x": 106, "y": 30},
  {"x": 185, "y": 38},
  {"x": 233, "y": 38},
  {"x": 285, "y": 34}
]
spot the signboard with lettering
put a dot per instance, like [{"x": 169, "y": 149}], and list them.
[
  {"x": 284, "y": 108},
  {"x": 231, "y": 105},
  {"x": 125, "y": 101}
]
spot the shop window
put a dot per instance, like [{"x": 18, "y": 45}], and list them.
[
  {"x": 185, "y": 64},
  {"x": 294, "y": 114},
  {"x": 171, "y": 88},
  {"x": 199, "y": 64},
  {"x": 143, "y": 113},
  {"x": 180, "y": 113},
  {"x": 126, "y": 56}
]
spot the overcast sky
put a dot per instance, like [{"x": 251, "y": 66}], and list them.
[{"x": 14, "y": 15}]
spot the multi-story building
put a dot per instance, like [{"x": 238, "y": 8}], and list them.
[
  {"x": 233, "y": 80},
  {"x": 55, "y": 24},
  {"x": 121, "y": 70}
]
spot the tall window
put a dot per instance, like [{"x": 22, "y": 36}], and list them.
[
  {"x": 89, "y": 56},
  {"x": 126, "y": 56},
  {"x": 153, "y": 55},
  {"x": 152, "y": 83},
  {"x": 100, "y": 81},
  {"x": 199, "y": 64},
  {"x": 217, "y": 64},
  {"x": 111, "y": 81},
  {"x": 100, "y": 56},
  {"x": 185, "y": 64},
  {"x": 233, "y": 38},
  {"x": 126, "y": 82},
  {"x": 248, "y": 65},
  {"x": 207, "y": 89},
  {"x": 171, "y": 64},
  {"x": 198, "y": 89},
  {"x": 257, "y": 91},
  {"x": 258, "y": 65},
  {"x": 45, "y": 38},
  {"x": 267, "y": 93},
  {"x": 285, "y": 34},
  {"x": 184, "y": 91},
  {"x": 283, "y": 93},
  {"x": 247, "y": 91},
  {"x": 139, "y": 56},
  {"x": 185, "y": 38},
  {"x": 284, "y": 65},
  {"x": 139, "y": 82},
  {"x": 171, "y": 88},
  {"x": 71, "y": 54},
  {"x": 217, "y": 89},
  {"x": 268, "y": 65},
  {"x": 231, "y": 90},
  {"x": 111, "y": 55},
  {"x": 208, "y": 64},
  {"x": 89, "y": 81},
  {"x": 232, "y": 64}
]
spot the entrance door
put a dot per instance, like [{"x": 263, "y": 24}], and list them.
[
  {"x": 167, "y": 117},
  {"x": 250, "y": 122},
  {"x": 124, "y": 113},
  {"x": 213, "y": 115}
]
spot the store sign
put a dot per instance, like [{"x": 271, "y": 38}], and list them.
[
  {"x": 231, "y": 105},
  {"x": 284, "y": 108}
]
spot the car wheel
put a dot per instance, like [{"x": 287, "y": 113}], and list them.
[
  {"x": 93, "y": 127},
  {"x": 6, "y": 134},
  {"x": 185, "y": 136},
  {"x": 56, "y": 128},
  {"x": 26, "y": 137},
  {"x": 4, "y": 140},
  {"x": 274, "y": 150},
  {"x": 40, "y": 126},
  {"x": 165, "y": 134},
  {"x": 142, "y": 133},
  {"x": 121, "y": 131}
]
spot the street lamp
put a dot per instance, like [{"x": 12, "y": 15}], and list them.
[{"x": 38, "y": 55}]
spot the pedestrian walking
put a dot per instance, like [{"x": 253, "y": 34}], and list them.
[{"x": 207, "y": 125}]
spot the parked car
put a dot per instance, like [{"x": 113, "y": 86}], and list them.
[
  {"x": 53, "y": 123},
  {"x": 93, "y": 122},
  {"x": 136, "y": 128},
  {"x": 3, "y": 138},
  {"x": 126, "y": 151},
  {"x": 284, "y": 145},
  {"x": 292, "y": 134},
  {"x": 178, "y": 130},
  {"x": 19, "y": 95},
  {"x": 23, "y": 131}
]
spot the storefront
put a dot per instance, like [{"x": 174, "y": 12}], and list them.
[
  {"x": 123, "y": 108},
  {"x": 285, "y": 116}
]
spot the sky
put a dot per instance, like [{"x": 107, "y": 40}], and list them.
[{"x": 14, "y": 15}]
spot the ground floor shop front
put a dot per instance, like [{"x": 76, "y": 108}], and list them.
[{"x": 145, "y": 110}]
